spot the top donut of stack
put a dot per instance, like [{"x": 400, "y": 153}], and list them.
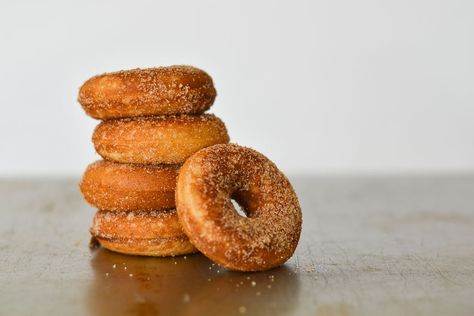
[{"x": 146, "y": 92}]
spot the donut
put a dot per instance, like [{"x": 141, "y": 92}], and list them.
[
  {"x": 157, "y": 140},
  {"x": 208, "y": 181},
  {"x": 126, "y": 187},
  {"x": 152, "y": 91},
  {"x": 146, "y": 233}
]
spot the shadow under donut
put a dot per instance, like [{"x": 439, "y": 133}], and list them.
[{"x": 185, "y": 285}]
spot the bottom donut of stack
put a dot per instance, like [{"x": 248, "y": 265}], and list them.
[
  {"x": 136, "y": 208},
  {"x": 146, "y": 233}
]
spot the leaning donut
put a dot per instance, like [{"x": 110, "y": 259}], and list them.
[
  {"x": 153, "y": 91},
  {"x": 126, "y": 187},
  {"x": 208, "y": 181},
  {"x": 146, "y": 233},
  {"x": 157, "y": 140}
]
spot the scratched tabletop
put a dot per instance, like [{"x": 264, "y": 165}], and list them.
[{"x": 370, "y": 246}]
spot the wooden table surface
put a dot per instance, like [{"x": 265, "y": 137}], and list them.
[{"x": 370, "y": 246}]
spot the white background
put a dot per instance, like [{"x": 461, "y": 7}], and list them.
[{"x": 318, "y": 86}]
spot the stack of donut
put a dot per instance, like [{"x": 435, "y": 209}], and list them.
[
  {"x": 168, "y": 178},
  {"x": 152, "y": 121}
]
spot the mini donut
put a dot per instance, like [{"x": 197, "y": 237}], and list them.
[
  {"x": 126, "y": 187},
  {"x": 157, "y": 140},
  {"x": 146, "y": 233},
  {"x": 142, "y": 92},
  {"x": 207, "y": 182}
]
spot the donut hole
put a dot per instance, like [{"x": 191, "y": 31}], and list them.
[{"x": 238, "y": 208}]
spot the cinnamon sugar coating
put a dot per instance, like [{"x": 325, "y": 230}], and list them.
[
  {"x": 157, "y": 140},
  {"x": 148, "y": 233},
  {"x": 128, "y": 187},
  {"x": 207, "y": 182},
  {"x": 136, "y": 224},
  {"x": 152, "y": 91}
]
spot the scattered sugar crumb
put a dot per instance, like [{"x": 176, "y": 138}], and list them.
[{"x": 186, "y": 298}]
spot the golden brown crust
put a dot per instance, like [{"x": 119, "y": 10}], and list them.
[
  {"x": 148, "y": 233},
  {"x": 152, "y": 91},
  {"x": 158, "y": 140},
  {"x": 126, "y": 187},
  {"x": 207, "y": 182},
  {"x": 154, "y": 247}
]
